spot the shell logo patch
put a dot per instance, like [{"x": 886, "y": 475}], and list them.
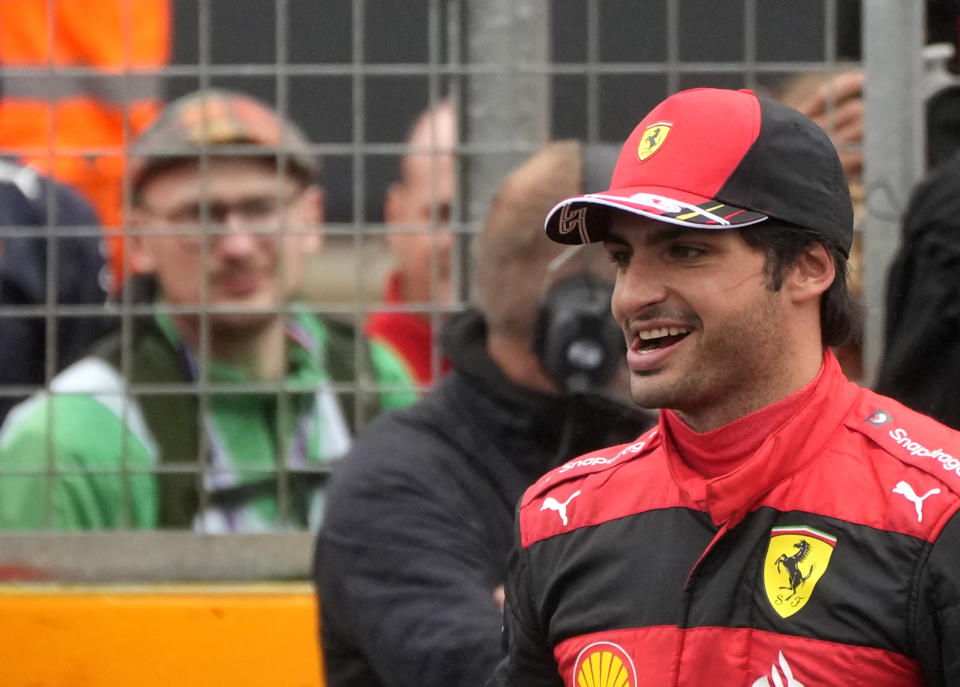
[
  {"x": 652, "y": 138},
  {"x": 796, "y": 559},
  {"x": 604, "y": 664}
]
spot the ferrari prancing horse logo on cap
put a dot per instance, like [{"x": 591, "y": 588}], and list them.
[{"x": 652, "y": 138}]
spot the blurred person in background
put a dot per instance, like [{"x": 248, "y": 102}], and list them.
[
  {"x": 417, "y": 212},
  {"x": 410, "y": 560},
  {"x": 76, "y": 87},
  {"x": 920, "y": 366},
  {"x": 37, "y": 210},
  {"x": 226, "y": 209}
]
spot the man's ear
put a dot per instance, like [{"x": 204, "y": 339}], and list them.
[
  {"x": 139, "y": 253},
  {"x": 315, "y": 208},
  {"x": 812, "y": 274},
  {"x": 317, "y": 200},
  {"x": 393, "y": 202},
  {"x": 395, "y": 213}
]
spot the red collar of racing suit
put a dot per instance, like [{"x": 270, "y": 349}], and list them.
[
  {"x": 798, "y": 440},
  {"x": 717, "y": 452}
]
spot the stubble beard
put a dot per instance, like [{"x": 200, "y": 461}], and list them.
[{"x": 726, "y": 371}]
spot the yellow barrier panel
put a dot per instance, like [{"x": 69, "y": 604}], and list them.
[{"x": 158, "y": 636}]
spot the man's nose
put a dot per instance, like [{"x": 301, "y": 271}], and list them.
[
  {"x": 637, "y": 287},
  {"x": 442, "y": 238},
  {"x": 236, "y": 236}
]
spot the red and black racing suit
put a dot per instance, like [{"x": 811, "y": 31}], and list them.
[{"x": 633, "y": 571}]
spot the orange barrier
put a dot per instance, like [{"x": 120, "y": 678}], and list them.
[{"x": 157, "y": 636}]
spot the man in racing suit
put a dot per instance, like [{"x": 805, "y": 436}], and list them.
[{"x": 781, "y": 525}]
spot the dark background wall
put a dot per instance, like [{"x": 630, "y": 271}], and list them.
[{"x": 238, "y": 40}]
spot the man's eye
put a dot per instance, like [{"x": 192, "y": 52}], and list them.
[
  {"x": 257, "y": 208},
  {"x": 188, "y": 214},
  {"x": 681, "y": 251},
  {"x": 620, "y": 258}
]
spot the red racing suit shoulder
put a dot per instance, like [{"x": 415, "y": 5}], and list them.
[
  {"x": 589, "y": 463},
  {"x": 928, "y": 453},
  {"x": 557, "y": 489},
  {"x": 910, "y": 437}
]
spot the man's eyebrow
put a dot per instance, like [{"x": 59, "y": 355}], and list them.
[
  {"x": 613, "y": 237},
  {"x": 668, "y": 232}
]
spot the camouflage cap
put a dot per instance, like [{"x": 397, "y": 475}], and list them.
[{"x": 189, "y": 126}]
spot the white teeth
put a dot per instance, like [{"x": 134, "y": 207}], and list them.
[
  {"x": 648, "y": 334},
  {"x": 661, "y": 332}
]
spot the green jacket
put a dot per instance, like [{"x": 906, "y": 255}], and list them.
[{"x": 155, "y": 449}]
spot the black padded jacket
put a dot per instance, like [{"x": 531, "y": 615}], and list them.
[{"x": 420, "y": 515}]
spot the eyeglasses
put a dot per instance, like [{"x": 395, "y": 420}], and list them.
[{"x": 252, "y": 209}]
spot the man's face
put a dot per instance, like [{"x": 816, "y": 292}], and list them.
[
  {"x": 232, "y": 234},
  {"x": 705, "y": 334},
  {"x": 418, "y": 210}
]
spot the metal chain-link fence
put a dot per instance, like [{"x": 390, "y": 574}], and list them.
[{"x": 354, "y": 75}]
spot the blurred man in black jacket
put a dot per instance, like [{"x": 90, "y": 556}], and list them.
[
  {"x": 411, "y": 557},
  {"x": 921, "y": 358}
]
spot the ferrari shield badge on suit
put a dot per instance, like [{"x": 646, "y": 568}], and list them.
[{"x": 797, "y": 557}]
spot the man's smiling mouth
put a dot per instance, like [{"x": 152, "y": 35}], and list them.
[{"x": 661, "y": 337}]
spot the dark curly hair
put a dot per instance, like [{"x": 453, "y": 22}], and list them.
[{"x": 841, "y": 316}]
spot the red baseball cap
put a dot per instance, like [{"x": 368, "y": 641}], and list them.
[{"x": 711, "y": 158}]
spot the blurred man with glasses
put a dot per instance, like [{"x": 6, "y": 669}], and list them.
[{"x": 221, "y": 402}]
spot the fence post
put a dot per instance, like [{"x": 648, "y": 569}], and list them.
[
  {"x": 893, "y": 143},
  {"x": 507, "y": 94}
]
